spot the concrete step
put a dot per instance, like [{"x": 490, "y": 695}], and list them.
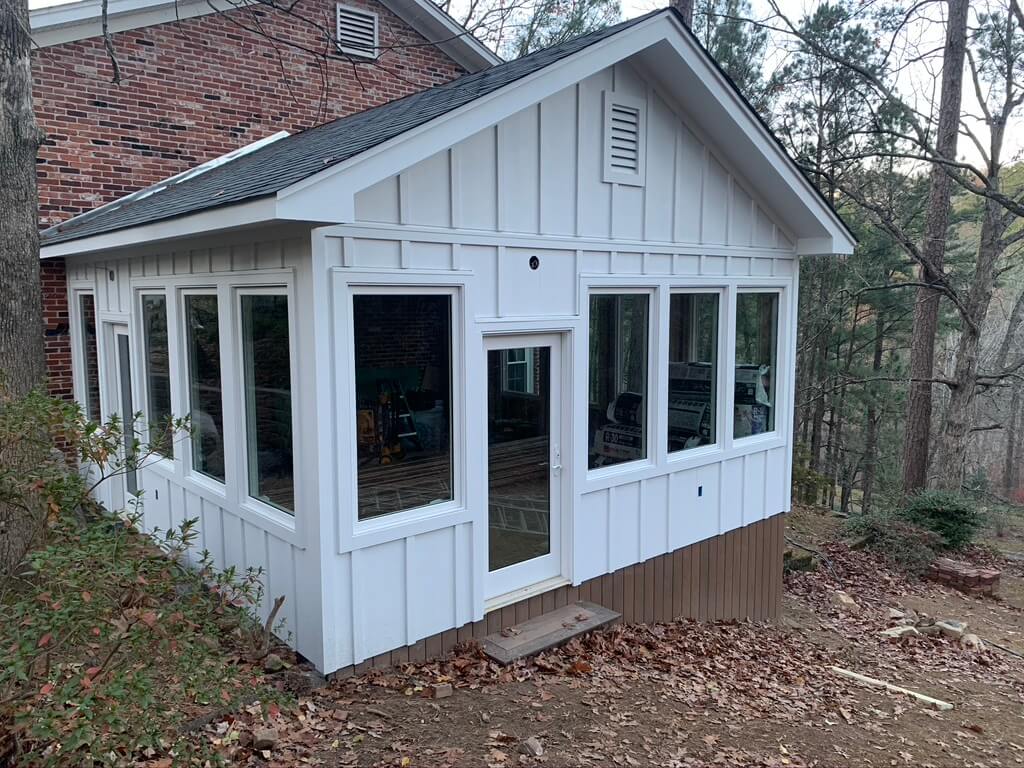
[{"x": 547, "y": 631}]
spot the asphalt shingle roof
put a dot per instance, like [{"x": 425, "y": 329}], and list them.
[{"x": 271, "y": 168}]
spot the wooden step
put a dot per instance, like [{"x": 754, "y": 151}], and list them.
[{"x": 546, "y": 631}]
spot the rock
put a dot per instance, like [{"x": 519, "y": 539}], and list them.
[
  {"x": 844, "y": 602},
  {"x": 443, "y": 690},
  {"x": 924, "y": 620},
  {"x": 895, "y": 614},
  {"x": 972, "y": 642},
  {"x": 952, "y": 628},
  {"x": 929, "y": 630},
  {"x": 532, "y": 747},
  {"x": 898, "y": 633},
  {"x": 793, "y": 560},
  {"x": 273, "y": 663},
  {"x": 264, "y": 738},
  {"x": 857, "y": 542}
]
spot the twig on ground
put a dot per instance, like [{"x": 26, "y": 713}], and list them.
[{"x": 938, "y": 704}]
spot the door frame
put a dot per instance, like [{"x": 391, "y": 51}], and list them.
[{"x": 523, "y": 578}]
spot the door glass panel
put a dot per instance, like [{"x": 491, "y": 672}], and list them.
[
  {"x": 518, "y": 454},
  {"x": 124, "y": 370}
]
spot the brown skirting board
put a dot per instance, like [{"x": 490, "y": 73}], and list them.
[{"x": 737, "y": 575}]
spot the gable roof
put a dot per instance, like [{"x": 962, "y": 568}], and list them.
[
  {"x": 58, "y": 23},
  {"x": 277, "y": 166}
]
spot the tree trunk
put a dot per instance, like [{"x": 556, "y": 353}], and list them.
[
  {"x": 871, "y": 434},
  {"x": 1011, "y": 465},
  {"x": 21, "y": 312},
  {"x": 933, "y": 253},
  {"x": 954, "y": 433}
]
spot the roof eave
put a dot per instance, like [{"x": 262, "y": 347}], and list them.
[{"x": 258, "y": 212}]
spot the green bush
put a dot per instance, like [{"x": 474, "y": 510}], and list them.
[
  {"x": 952, "y": 516},
  {"x": 901, "y": 543}
]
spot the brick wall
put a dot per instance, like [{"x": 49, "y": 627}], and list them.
[{"x": 193, "y": 90}]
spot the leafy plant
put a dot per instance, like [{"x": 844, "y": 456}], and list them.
[
  {"x": 901, "y": 543},
  {"x": 952, "y": 516}
]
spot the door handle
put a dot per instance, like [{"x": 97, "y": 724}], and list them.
[{"x": 556, "y": 468}]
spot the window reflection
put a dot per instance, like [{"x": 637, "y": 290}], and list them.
[
  {"x": 157, "y": 373},
  {"x": 618, "y": 378},
  {"x": 757, "y": 329},
  {"x": 692, "y": 370},
  {"x": 205, "y": 401}
]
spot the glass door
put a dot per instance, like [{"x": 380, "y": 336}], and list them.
[
  {"x": 119, "y": 387},
  {"x": 523, "y": 461}
]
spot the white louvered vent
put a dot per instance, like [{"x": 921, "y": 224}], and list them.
[
  {"x": 357, "y": 32},
  {"x": 624, "y": 134}
]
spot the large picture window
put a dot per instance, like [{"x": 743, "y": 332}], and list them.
[
  {"x": 202, "y": 332},
  {"x": 266, "y": 377},
  {"x": 403, "y": 377},
  {"x": 90, "y": 356},
  {"x": 618, "y": 378},
  {"x": 157, "y": 373},
  {"x": 692, "y": 370},
  {"x": 757, "y": 334}
]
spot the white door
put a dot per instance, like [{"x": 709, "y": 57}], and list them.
[
  {"x": 524, "y": 458},
  {"x": 119, "y": 395}
]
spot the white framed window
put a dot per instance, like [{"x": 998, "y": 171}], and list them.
[
  {"x": 403, "y": 342},
  {"x": 619, "y": 386},
  {"x": 88, "y": 348},
  {"x": 756, "y": 346},
  {"x": 156, "y": 372},
  {"x": 200, "y": 313},
  {"x": 693, "y": 368},
  {"x": 266, "y": 340},
  {"x": 357, "y": 31},
  {"x": 625, "y": 139},
  {"x": 518, "y": 371}
]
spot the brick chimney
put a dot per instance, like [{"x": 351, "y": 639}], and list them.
[{"x": 685, "y": 7}]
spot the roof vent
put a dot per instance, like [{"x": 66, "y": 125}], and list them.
[
  {"x": 357, "y": 32},
  {"x": 624, "y": 139}
]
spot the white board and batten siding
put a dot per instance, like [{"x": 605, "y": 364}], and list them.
[
  {"x": 233, "y": 531},
  {"x": 469, "y": 218}
]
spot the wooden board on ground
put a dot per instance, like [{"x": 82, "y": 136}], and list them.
[{"x": 547, "y": 631}]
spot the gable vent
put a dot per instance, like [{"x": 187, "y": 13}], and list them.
[
  {"x": 623, "y": 139},
  {"x": 357, "y": 32}
]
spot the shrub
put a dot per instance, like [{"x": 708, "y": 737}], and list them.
[
  {"x": 950, "y": 515},
  {"x": 901, "y": 543}
]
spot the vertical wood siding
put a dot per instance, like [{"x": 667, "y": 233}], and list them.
[
  {"x": 539, "y": 172},
  {"x": 232, "y": 536},
  {"x": 716, "y": 579}
]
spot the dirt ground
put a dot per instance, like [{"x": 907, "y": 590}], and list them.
[{"x": 684, "y": 694}]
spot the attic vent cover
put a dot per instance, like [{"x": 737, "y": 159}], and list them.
[
  {"x": 357, "y": 32},
  {"x": 624, "y": 139}
]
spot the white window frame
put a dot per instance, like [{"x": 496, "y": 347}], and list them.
[
  {"x": 241, "y": 464},
  {"x": 719, "y": 383},
  {"x": 652, "y": 402},
  {"x": 191, "y": 472},
  {"x": 142, "y": 374},
  {"x": 780, "y": 384},
  {"x": 388, "y": 526},
  {"x": 359, "y": 52},
  {"x": 528, "y": 366},
  {"x": 610, "y": 174},
  {"x": 79, "y": 366}
]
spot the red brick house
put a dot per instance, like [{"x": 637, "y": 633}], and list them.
[{"x": 197, "y": 83}]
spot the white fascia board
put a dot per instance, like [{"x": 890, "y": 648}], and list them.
[
  {"x": 824, "y": 246},
  {"x": 59, "y": 24},
  {"x": 447, "y": 34},
  {"x": 405, "y": 150},
  {"x": 260, "y": 211},
  {"x": 302, "y": 199}
]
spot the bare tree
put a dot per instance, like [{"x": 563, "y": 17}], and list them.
[{"x": 21, "y": 313}]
